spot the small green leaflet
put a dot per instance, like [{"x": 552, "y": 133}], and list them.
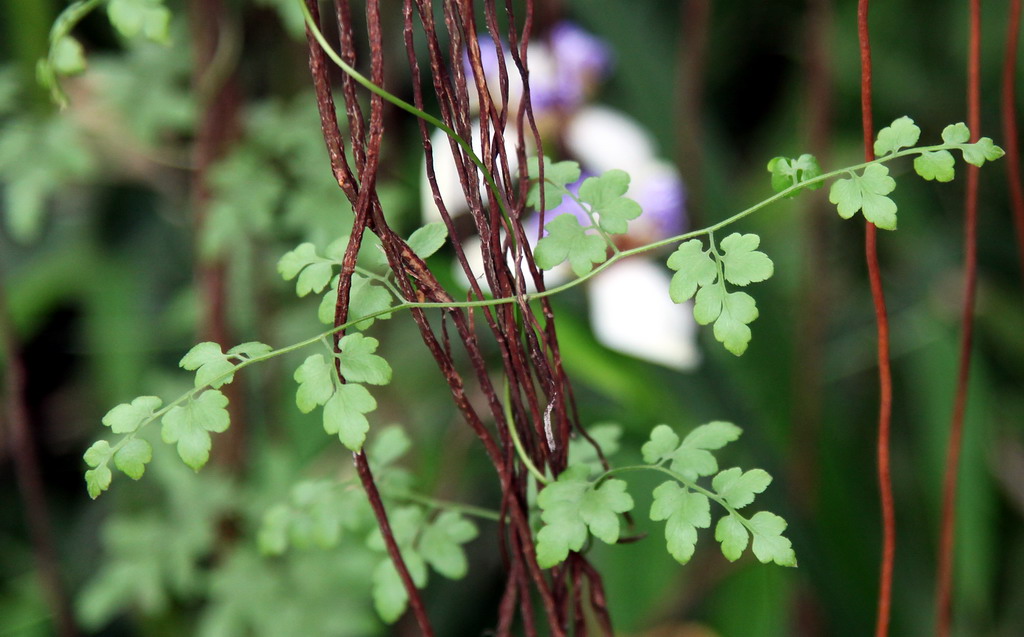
[
  {"x": 697, "y": 271},
  {"x": 567, "y": 239},
  {"x": 685, "y": 512},
  {"x": 212, "y": 366},
  {"x": 429, "y": 239},
  {"x": 441, "y": 544},
  {"x": 866, "y": 192},
  {"x": 316, "y": 383},
  {"x": 360, "y": 364},
  {"x": 344, "y": 414},
  {"x": 97, "y": 479},
  {"x": 981, "y": 151},
  {"x": 732, "y": 535},
  {"x": 694, "y": 267},
  {"x": 190, "y": 425},
  {"x": 132, "y": 457},
  {"x": 604, "y": 195},
  {"x": 769, "y": 544},
  {"x": 902, "y": 133},
  {"x": 692, "y": 457},
  {"x": 556, "y": 177},
  {"x": 570, "y": 506},
  {"x": 937, "y": 165},
  {"x": 365, "y": 298},
  {"x": 787, "y": 172},
  {"x": 313, "y": 272},
  {"x": 146, "y": 17},
  {"x": 737, "y": 488},
  {"x": 743, "y": 263},
  {"x": 126, "y": 418}
]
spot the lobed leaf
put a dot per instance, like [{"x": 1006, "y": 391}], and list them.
[
  {"x": 189, "y": 426},
  {"x": 693, "y": 457},
  {"x": 685, "y": 512},
  {"x": 140, "y": 17},
  {"x": 787, "y": 172},
  {"x": 738, "y": 311},
  {"x": 769, "y": 544},
  {"x": 557, "y": 176},
  {"x": 662, "y": 444},
  {"x": 68, "y": 56},
  {"x": 604, "y": 194},
  {"x": 694, "y": 267},
  {"x": 211, "y": 365},
  {"x": 344, "y": 414},
  {"x": 956, "y": 134},
  {"x": 568, "y": 240},
  {"x": 359, "y": 363},
  {"x": 252, "y": 349},
  {"x": 742, "y": 262},
  {"x": 441, "y": 543},
  {"x": 316, "y": 383},
  {"x": 364, "y": 299},
  {"x": 867, "y": 193},
  {"x": 737, "y": 488},
  {"x": 429, "y": 239},
  {"x": 981, "y": 151},
  {"x": 128, "y": 417},
  {"x": 937, "y": 165},
  {"x": 733, "y": 537},
  {"x": 132, "y": 457},
  {"x": 902, "y": 133}
]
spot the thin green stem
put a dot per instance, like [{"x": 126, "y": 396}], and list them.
[
  {"x": 466, "y": 509},
  {"x": 516, "y": 442},
  {"x": 593, "y": 220}
]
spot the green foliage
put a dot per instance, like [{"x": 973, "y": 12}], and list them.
[
  {"x": 344, "y": 403},
  {"x": 691, "y": 457},
  {"x": 568, "y": 240},
  {"x": 604, "y": 196},
  {"x": 787, "y": 172},
  {"x": 557, "y": 176},
  {"x": 189, "y": 426},
  {"x": 937, "y": 165},
  {"x": 573, "y": 505},
  {"x": 703, "y": 275},
  {"x": 428, "y": 239},
  {"x": 866, "y": 192},
  {"x": 132, "y": 18},
  {"x": 902, "y": 133}
]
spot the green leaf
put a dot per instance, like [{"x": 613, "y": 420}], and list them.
[
  {"x": 570, "y": 505},
  {"x": 567, "y": 239},
  {"x": 693, "y": 458},
  {"x": 738, "y": 310},
  {"x": 146, "y": 17},
  {"x": 252, "y": 349},
  {"x": 769, "y": 544},
  {"x": 132, "y": 458},
  {"x": 314, "y": 277},
  {"x": 316, "y": 383},
  {"x": 296, "y": 260},
  {"x": 694, "y": 267},
  {"x": 389, "y": 595},
  {"x": 581, "y": 451},
  {"x": 685, "y": 512},
  {"x": 389, "y": 444},
  {"x": 343, "y": 414},
  {"x": 98, "y": 454},
  {"x": 211, "y": 365},
  {"x": 556, "y": 177},
  {"x": 272, "y": 537},
  {"x": 788, "y": 172},
  {"x": 738, "y": 488},
  {"x": 733, "y": 536},
  {"x": 956, "y": 134},
  {"x": 427, "y": 240},
  {"x": 126, "y": 418},
  {"x": 364, "y": 299},
  {"x": 190, "y": 426},
  {"x": 360, "y": 364},
  {"x": 662, "y": 444},
  {"x": 707, "y": 304},
  {"x": 743, "y": 263},
  {"x": 867, "y": 192},
  {"x": 98, "y": 480},
  {"x": 68, "y": 56},
  {"x": 441, "y": 544},
  {"x": 902, "y": 133},
  {"x": 937, "y": 165},
  {"x": 604, "y": 194},
  {"x": 981, "y": 151}
]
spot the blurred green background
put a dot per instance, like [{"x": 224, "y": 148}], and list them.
[{"x": 100, "y": 268}]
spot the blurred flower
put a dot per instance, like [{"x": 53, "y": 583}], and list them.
[{"x": 630, "y": 307}]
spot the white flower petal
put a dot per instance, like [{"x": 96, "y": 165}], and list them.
[
  {"x": 630, "y": 311},
  {"x": 601, "y": 139}
]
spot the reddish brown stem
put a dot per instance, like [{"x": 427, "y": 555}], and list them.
[
  {"x": 1009, "y": 108},
  {"x": 944, "y": 587},
  {"x": 882, "y": 322}
]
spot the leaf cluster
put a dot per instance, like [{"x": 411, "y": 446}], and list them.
[{"x": 702, "y": 275}]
